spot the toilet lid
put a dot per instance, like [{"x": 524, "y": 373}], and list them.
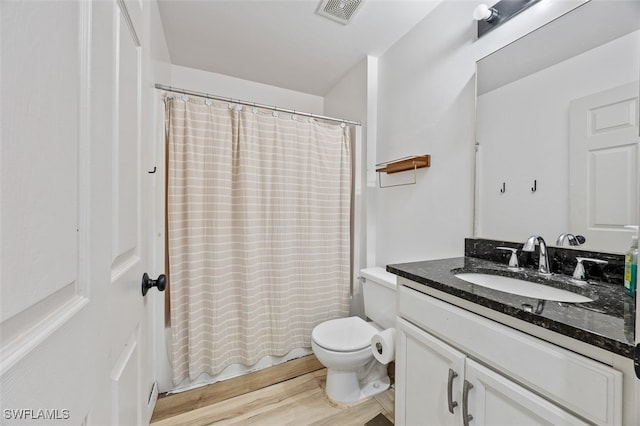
[{"x": 344, "y": 334}]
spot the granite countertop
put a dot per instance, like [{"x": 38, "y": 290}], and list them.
[{"x": 607, "y": 322}]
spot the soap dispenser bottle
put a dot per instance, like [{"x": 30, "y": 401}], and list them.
[{"x": 631, "y": 264}]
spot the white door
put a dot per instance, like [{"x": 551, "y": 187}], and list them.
[
  {"x": 431, "y": 373},
  {"x": 604, "y": 167},
  {"x": 493, "y": 400},
  {"x": 73, "y": 326}
]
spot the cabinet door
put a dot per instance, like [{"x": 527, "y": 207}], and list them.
[
  {"x": 494, "y": 400},
  {"x": 429, "y": 375}
]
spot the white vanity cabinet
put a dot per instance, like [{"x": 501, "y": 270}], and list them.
[
  {"x": 510, "y": 378},
  {"x": 430, "y": 373},
  {"x": 494, "y": 400},
  {"x": 440, "y": 384}
]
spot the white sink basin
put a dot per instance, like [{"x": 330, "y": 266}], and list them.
[{"x": 523, "y": 288}]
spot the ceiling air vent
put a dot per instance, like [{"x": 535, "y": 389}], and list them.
[{"x": 341, "y": 11}]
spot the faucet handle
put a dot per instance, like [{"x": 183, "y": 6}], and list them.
[
  {"x": 579, "y": 273},
  {"x": 513, "y": 260},
  {"x": 573, "y": 240}
]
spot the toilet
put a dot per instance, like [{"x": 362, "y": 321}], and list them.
[{"x": 343, "y": 345}]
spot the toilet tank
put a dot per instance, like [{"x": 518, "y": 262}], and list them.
[{"x": 379, "y": 291}]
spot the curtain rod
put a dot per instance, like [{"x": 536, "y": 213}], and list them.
[{"x": 237, "y": 101}]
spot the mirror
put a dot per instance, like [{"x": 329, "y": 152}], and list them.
[{"x": 557, "y": 130}]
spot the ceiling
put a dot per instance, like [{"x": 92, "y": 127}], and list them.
[{"x": 283, "y": 43}]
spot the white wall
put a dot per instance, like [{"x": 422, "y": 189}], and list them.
[
  {"x": 348, "y": 100},
  {"x": 427, "y": 106},
  {"x": 355, "y": 97},
  {"x": 159, "y": 51},
  {"x": 237, "y": 88}
]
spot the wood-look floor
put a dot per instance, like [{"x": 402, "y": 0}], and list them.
[{"x": 247, "y": 400}]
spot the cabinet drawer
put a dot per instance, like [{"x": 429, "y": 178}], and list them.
[{"x": 581, "y": 385}]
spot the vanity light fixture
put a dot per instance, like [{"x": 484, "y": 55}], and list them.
[
  {"x": 491, "y": 17},
  {"x": 482, "y": 12}
]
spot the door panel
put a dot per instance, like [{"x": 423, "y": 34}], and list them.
[
  {"x": 127, "y": 250},
  {"x": 494, "y": 400},
  {"x": 72, "y": 254},
  {"x": 126, "y": 267},
  {"x": 124, "y": 379},
  {"x": 40, "y": 267},
  {"x": 40, "y": 273},
  {"x": 612, "y": 185},
  {"x": 126, "y": 148},
  {"x": 604, "y": 166},
  {"x": 422, "y": 366}
]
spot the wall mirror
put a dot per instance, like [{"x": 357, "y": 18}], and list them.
[{"x": 557, "y": 130}]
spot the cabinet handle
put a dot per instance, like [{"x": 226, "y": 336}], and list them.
[
  {"x": 452, "y": 404},
  {"x": 466, "y": 417}
]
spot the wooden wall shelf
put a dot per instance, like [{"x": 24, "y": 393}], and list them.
[{"x": 404, "y": 164}]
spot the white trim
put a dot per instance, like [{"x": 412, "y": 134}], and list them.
[
  {"x": 115, "y": 182},
  {"x": 127, "y": 19},
  {"x": 123, "y": 264},
  {"x": 12, "y": 352},
  {"x": 84, "y": 152}
]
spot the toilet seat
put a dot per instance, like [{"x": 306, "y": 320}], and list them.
[{"x": 344, "y": 334}]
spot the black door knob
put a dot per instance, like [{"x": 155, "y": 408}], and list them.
[{"x": 147, "y": 283}]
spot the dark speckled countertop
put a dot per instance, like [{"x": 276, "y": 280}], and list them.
[{"x": 607, "y": 322}]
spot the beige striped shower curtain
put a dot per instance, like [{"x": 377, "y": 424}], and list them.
[{"x": 258, "y": 212}]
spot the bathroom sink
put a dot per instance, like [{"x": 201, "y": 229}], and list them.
[{"x": 522, "y": 288}]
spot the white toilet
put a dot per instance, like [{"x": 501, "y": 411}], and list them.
[{"x": 343, "y": 345}]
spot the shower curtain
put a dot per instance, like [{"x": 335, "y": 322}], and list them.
[{"x": 258, "y": 218}]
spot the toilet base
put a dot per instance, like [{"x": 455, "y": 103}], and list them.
[{"x": 344, "y": 387}]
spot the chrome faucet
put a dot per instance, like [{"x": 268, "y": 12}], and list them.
[
  {"x": 573, "y": 240},
  {"x": 544, "y": 267}
]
